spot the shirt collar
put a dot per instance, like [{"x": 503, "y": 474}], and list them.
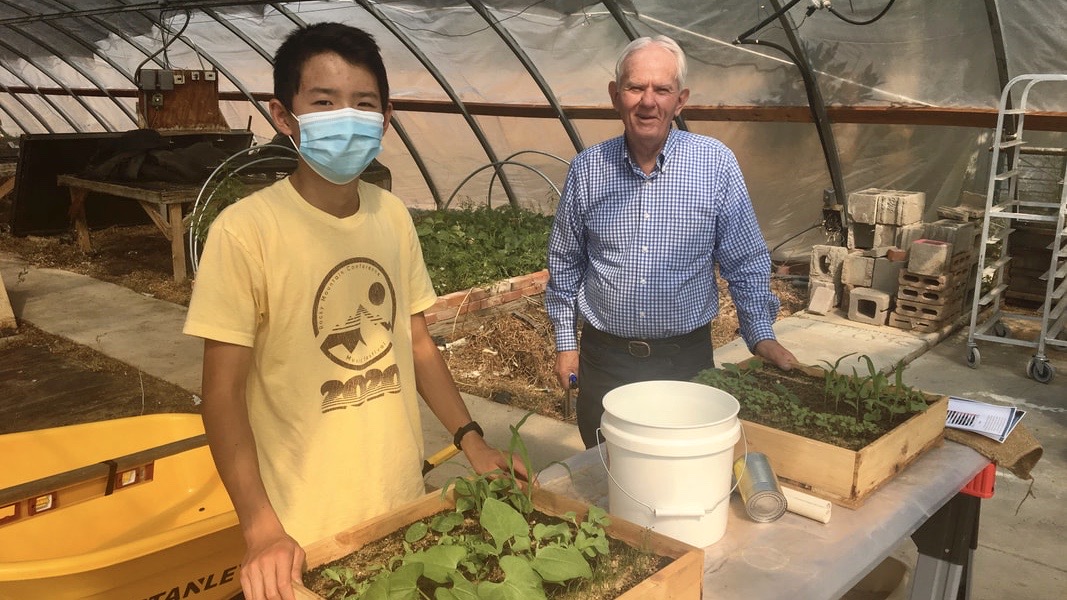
[{"x": 664, "y": 154}]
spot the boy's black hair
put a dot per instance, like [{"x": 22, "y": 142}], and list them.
[{"x": 352, "y": 44}]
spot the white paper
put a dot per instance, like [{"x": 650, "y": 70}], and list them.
[{"x": 994, "y": 421}]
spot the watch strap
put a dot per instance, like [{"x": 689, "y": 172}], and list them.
[{"x": 462, "y": 431}]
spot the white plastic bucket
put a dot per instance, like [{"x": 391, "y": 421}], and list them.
[{"x": 670, "y": 447}]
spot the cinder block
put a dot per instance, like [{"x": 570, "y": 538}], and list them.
[
  {"x": 907, "y": 235},
  {"x": 929, "y": 257},
  {"x": 900, "y": 208},
  {"x": 884, "y": 235},
  {"x": 959, "y": 234},
  {"x": 863, "y": 206},
  {"x": 877, "y": 251},
  {"x": 822, "y": 298},
  {"x": 912, "y": 322},
  {"x": 885, "y": 276},
  {"x": 860, "y": 236},
  {"x": 927, "y": 282},
  {"x": 887, "y": 207},
  {"x": 928, "y": 296},
  {"x": 868, "y": 305},
  {"x": 929, "y": 312},
  {"x": 826, "y": 262},
  {"x": 857, "y": 269}
]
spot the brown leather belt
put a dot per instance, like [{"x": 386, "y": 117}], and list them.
[{"x": 644, "y": 348}]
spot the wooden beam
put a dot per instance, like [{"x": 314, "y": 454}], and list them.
[{"x": 972, "y": 116}]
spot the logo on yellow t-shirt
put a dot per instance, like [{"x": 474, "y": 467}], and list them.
[{"x": 354, "y": 313}]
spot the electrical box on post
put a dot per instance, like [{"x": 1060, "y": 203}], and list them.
[{"x": 175, "y": 99}]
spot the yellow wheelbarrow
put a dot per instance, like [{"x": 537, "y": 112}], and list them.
[{"x": 125, "y": 509}]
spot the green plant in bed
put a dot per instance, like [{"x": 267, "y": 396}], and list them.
[{"x": 849, "y": 410}]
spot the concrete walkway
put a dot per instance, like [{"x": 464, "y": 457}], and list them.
[
  {"x": 146, "y": 334},
  {"x": 1020, "y": 553}
]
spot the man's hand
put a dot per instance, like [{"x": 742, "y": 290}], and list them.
[
  {"x": 773, "y": 352},
  {"x": 270, "y": 566},
  {"x": 566, "y": 365}
]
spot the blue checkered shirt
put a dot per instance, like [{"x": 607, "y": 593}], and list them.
[{"x": 634, "y": 254}]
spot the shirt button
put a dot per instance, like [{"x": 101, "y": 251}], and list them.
[
  {"x": 642, "y": 314},
  {"x": 646, "y": 216},
  {"x": 644, "y": 248},
  {"x": 643, "y": 281}
]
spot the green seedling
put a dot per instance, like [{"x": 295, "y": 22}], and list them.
[{"x": 458, "y": 565}]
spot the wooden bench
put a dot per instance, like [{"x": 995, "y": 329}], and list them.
[{"x": 163, "y": 202}]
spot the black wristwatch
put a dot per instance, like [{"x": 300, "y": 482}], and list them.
[{"x": 462, "y": 431}]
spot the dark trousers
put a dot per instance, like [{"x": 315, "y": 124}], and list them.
[{"x": 606, "y": 362}]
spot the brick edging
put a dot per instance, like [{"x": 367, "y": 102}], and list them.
[{"x": 478, "y": 299}]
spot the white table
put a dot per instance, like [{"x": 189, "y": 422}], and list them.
[{"x": 798, "y": 558}]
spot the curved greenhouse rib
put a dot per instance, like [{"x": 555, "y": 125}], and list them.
[
  {"x": 29, "y": 109},
  {"x": 240, "y": 34},
  {"x": 113, "y": 30},
  {"x": 493, "y": 166},
  {"x": 815, "y": 100},
  {"x": 77, "y": 98},
  {"x": 118, "y": 33},
  {"x": 507, "y": 160},
  {"x": 30, "y": 87},
  {"x": 87, "y": 75},
  {"x": 452, "y": 95},
  {"x": 402, "y": 133},
  {"x": 505, "y": 35}
]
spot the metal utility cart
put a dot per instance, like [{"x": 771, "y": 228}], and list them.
[{"x": 1010, "y": 201}]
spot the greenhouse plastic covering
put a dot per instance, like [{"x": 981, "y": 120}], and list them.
[{"x": 523, "y": 84}]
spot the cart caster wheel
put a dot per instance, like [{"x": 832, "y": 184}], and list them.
[
  {"x": 1001, "y": 330},
  {"x": 1040, "y": 371},
  {"x": 974, "y": 358}
]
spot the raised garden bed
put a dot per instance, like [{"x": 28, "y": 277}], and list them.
[
  {"x": 891, "y": 425},
  {"x": 681, "y": 578}
]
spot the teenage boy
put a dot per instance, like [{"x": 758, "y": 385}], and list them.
[{"x": 310, "y": 299}]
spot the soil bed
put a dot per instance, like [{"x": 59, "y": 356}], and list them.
[
  {"x": 623, "y": 569},
  {"x": 798, "y": 402}
]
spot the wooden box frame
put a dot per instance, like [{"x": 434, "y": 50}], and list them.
[
  {"x": 681, "y": 579},
  {"x": 846, "y": 477}
]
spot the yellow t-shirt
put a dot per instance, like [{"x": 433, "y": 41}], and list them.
[{"x": 325, "y": 304}]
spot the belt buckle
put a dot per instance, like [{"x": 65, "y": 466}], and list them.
[{"x": 639, "y": 349}]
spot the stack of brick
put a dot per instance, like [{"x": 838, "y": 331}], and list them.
[
  {"x": 938, "y": 280},
  {"x": 895, "y": 269}
]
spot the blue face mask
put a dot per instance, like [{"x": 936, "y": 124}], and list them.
[{"x": 339, "y": 144}]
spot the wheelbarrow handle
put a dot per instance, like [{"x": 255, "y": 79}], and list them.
[
  {"x": 439, "y": 457},
  {"x": 103, "y": 472}
]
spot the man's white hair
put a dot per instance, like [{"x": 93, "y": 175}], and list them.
[{"x": 663, "y": 42}]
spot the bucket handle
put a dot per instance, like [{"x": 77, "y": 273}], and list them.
[{"x": 676, "y": 512}]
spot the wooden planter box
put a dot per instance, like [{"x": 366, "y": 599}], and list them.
[
  {"x": 846, "y": 477},
  {"x": 681, "y": 579}
]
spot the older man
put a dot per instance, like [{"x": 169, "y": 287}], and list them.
[{"x": 643, "y": 220}]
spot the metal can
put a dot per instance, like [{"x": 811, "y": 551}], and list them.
[{"x": 759, "y": 489}]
